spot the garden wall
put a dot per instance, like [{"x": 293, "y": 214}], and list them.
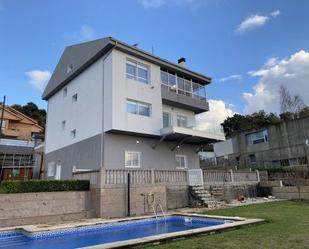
[
  {"x": 33, "y": 208},
  {"x": 291, "y": 192}
]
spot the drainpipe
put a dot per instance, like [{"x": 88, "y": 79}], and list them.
[{"x": 128, "y": 194}]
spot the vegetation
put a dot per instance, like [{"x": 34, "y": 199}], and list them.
[
  {"x": 238, "y": 123},
  {"x": 287, "y": 227},
  {"x": 43, "y": 186},
  {"x": 32, "y": 111}
]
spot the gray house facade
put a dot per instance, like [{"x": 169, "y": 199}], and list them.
[
  {"x": 116, "y": 106},
  {"x": 283, "y": 144}
]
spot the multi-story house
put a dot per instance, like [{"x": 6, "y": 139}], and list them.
[
  {"x": 116, "y": 106},
  {"x": 278, "y": 145},
  {"x": 16, "y": 125}
]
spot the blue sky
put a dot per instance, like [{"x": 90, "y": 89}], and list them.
[{"x": 231, "y": 41}]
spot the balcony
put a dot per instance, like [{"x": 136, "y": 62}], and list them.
[
  {"x": 191, "y": 135},
  {"x": 183, "y": 93}
]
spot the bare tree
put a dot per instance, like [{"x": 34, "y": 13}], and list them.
[{"x": 289, "y": 103}]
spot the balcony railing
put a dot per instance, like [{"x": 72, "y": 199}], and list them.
[{"x": 180, "y": 85}]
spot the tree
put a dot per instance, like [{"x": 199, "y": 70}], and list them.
[
  {"x": 289, "y": 103},
  {"x": 32, "y": 111},
  {"x": 238, "y": 123}
]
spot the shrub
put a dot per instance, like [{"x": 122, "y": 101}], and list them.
[{"x": 43, "y": 186}]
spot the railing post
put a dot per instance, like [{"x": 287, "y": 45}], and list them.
[
  {"x": 258, "y": 175},
  {"x": 152, "y": 176},
  {"x": 232, "y": 175}
]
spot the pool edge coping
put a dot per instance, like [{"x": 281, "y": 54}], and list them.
[{"x": 239, "y": 221}]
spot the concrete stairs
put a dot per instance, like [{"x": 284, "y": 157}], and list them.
[{"x": 202, "y": 197}]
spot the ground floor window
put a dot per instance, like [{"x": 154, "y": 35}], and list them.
[
  {"x": 132, "y": 159},
  {"x": 181, "y": 161},
  {"x": 51, "y": 169}
]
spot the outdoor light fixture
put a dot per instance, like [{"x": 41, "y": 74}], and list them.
[{"x": 137, "y": 141}]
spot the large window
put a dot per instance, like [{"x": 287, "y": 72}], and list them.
[
  {"x": 51, "y": 169},
  {"x": 132, "y": 159},
  {"x": 167, "y": 120},
  {"x": 137, "y": 71},
  {"x": 181, "y": 162},
  {"x": 182, "y": 121},
  {"x": 257, "y": 137},
  {"x": 139, "y": 108}
]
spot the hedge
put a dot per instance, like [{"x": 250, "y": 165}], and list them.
[{"x": 43, "y": 186}]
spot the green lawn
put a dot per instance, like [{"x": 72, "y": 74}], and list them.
[{"x": 287, "y": 226}]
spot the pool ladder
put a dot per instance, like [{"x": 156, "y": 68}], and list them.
[{"x": 155, "y": 205}]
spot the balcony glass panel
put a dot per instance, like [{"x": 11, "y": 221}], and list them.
[{"x": 183, "y": 86}]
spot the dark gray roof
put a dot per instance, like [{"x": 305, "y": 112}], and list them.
[{"x": 80, "y": 56}]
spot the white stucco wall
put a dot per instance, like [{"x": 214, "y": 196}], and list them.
[
  {"x": 85, "y": 115},
  {"x": 124, "y": 89}
]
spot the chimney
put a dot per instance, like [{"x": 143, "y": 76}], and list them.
[{"x": 182, "y": 62}]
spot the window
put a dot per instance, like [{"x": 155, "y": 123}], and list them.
[
  {"x": 3, "y": 124},
  {"x": 132, "y": 159},
  {"x": 166, "y": 119},
  {"x": 63, "y": 125},
  {"x": 137, "y": 71},
  {"x": 257, "y": 137},
  {"x": 181, "y": 161},
  {"x": 74, "y": 97},
  {"x": 139, "y": 108},
  {"x": 51, "y": 169},
  {"x": 182, "y": 121},
  {"x": 73, "y": 133},
  {"x": 252, "y": 158},
  {"x": 65, "y": 92}
]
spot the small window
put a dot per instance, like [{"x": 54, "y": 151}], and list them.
[
  {"x": 63, "y": 125},
  {"x": 137, "y": 71},
  {"x": 139, "y": 108},
  {"x": 65, "y": 92},
  {"x": 181, "y": 162},
  {"x": 73, "y": 133},
  {"x": 166, "y": 119},
  {"x": 182, "y": 121},
  {"x": 252, "y": 158},
  {"x": 3, "y": 124},
  {"x": 132, "y": 159},
  {"x": 74, "y": 97},
  {"x": 51, "y": 169},
  {"x": 257, "y": 137}
]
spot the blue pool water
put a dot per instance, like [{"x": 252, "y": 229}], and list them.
[{"x": 104, "y": 233}]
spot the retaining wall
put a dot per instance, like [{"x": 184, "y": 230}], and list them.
[
  {"x": 33, "y": 208},
  {"x": 291, "y": 192}
]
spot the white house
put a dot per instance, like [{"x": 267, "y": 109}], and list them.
[{"x": 114, "y": 105}]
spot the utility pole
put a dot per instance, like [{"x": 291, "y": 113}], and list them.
[{"x": 2, "y": 114}]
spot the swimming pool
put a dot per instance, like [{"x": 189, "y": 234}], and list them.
[{"x": 104, "y": 234}]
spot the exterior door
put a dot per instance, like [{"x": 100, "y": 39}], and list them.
[{"x": 58, "y": 172}]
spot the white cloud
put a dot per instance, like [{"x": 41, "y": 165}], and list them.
[
  {"x": 152, "y": 3},
  {"x": 231, "y": 77},
  {"x": 191, "y": 4},
  {"x": 87, "y": 32},
  {"x": 211, "y": 120},
  {"x": 292, "y": 72},
  {"x": 38, "y": 79},
  {"x": 275, "y": 13},
  {"x": 252, "y": 22}
]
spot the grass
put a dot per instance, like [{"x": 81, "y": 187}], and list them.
[{"x": 287, "y": 227}]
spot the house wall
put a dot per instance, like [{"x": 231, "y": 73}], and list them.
[
  {"x": 123, "y": 89},
  {"x": 159, "y": 158},
  {"x": 84, "y": 115}
]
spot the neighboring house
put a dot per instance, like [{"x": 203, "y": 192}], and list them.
[
  {"x": 19, "y": 135},
  {"x": 116, "y": 106},
  {"x": 283, "y": 144},
  {"x": 16, "y": 125}
]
